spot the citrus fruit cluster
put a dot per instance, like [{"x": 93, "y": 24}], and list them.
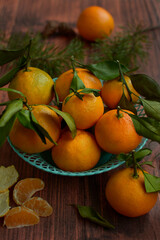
[
  {"x": 112, "y": 131},
  {"x": 29, "y": 208}
]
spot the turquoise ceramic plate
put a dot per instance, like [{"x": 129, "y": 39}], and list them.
[{"x": 44, "y": 161}]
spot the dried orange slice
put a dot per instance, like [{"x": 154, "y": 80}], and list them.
[
  {"x": 25, "y": 189},
  {"x": 4, "y": 203},
  {"x": 40, "y": 206},
  {"x": 20, "y": 217},
  {"x": 8, "y": 177}
]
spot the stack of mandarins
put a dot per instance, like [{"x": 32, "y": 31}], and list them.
[{"x": 112, "y": 131}]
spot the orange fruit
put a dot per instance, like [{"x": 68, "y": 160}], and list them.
[
  {"x": 64, "y": 81},
  {"x": 28, "y": 140},
  {"x": 39, "y": 205},
  {"x": 25, "y": 189},
  {"x": 20, "y": 217},
  {"x": 79, "y": 154},
  {"x": 127, "y": 194},
  {"x": 112, "y": 91},
  {"x": 85, "y": 113},
  {"x": 95, "y": 23},
  {"x": 35, "y": 84},
  {"x": 116, "y": 135}
]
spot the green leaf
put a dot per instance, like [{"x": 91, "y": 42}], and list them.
[
  {"x": 92, "y": 215},
  {"x": 96, "y": 92},
  {"x": 149, "y": 163},
  {"x": 124, "y": 103},
  {"x": 152, "y": 108},
  {"x": 140, "y": 154},
  {"x": 152, "y": 183},
  {"x": 24, "y": 118},
  {"x": 146, "y": 127},
  {"x": 106, "y": 70},
  {"x": 12, "y": 108},
  {"x": 7, "y": 56},
  {"x": 5, "y": 130},
  {"x": 42, "y": 133},
  {"x": 5, "y": 79},
  {"x": 68, "y": 119},
  {"x": 146, "y": 86},
  {"x": 76, "y": 83},
  {"x": 56, "y": 95},
  {"x": 13, "y": 90}
]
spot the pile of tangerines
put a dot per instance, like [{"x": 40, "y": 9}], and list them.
[{"x": 100, "y": 124}]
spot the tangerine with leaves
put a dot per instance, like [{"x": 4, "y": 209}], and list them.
[
  {"x": 115, "y": 132},
  {"x": 127, "y": 194},
  {"x": 27, "y": 140},
  {"x": 35, "y": 84},
  {"x": 25, "y": 189},
  {"x": 20, "y": 217},
  {"x": 112, "y": 91},
  {"x": 76, "y": 154},
  {"x": 63, "y": 82},
  {"x": 94, "y": 23},
  {"x": 85, "y": 111}
]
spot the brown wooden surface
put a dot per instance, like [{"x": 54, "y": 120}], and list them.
[{"x": 65, "y": 224}]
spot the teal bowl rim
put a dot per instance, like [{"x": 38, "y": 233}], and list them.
[{"x": 38, "y": 161}]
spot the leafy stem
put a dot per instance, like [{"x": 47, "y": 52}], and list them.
[{"x": 135, "y": 175}]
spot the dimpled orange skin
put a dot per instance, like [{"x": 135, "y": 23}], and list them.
[
  {"x": 35, "y": 84},
  {"x": 76, "y": 155},
  {"x": 112, "y": 91},
  {"x": 127, "y": 195},
  {"x": 27, "y": 140},
  {"x": 64, "y": 81},
  {"x": 95, "y": 23},
  {"x": 85, "y": 113},
  {"x": 116, "y": 135}
]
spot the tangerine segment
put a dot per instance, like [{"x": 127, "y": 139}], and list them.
[
  {"x": 25, "y": 188},
  {"x": 8, "y": 177},
  {"x": 116, "y": 135},
  {"x": 63, "y": 82},
  {"x": 85, "y": 112},
  {"x": 76, "y": 155},
  {"x": 4, "y": 203},
  {"x": 20, "y": 217},
  {"x": 39, "y": 205},
  {"x": 127, "y": 195}
]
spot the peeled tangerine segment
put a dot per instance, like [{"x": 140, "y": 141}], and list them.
[
  {"x": 25, "y": 189},
  {"x": 8, "y": 177},
  {"x": 40, "y": 206},
  {"x": 20, "y": 217},
  {"x": 4, "y": 203}
]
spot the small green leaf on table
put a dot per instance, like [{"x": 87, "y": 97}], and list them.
[{"x": 92, "y": 215}]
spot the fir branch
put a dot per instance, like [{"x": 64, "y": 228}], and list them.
[
  {"x": 129, "y": 46},
  {"x": 44, "y": 54}
]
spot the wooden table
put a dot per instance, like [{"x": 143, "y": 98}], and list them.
[{"x": 65, "y": 223}]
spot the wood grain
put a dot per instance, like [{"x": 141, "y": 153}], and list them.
[{"x": 60, "y": 192}]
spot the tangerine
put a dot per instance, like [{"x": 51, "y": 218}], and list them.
[
  {"x": 20, "y": 217},
  {"x": 39, "y": 205},
  {"x": 116, "y": 134},
  {"x": 79, "y": 154},
  {"x": 112, "y": 91},
  {"x": 35, "y": 84},
  {"x": 94, "y": 23},
  {"x": 127, "y": 195},
  {"x": 25, "y": 188},
  {"x": 85, "y": 112},
  {"x": 27, "y": 140},
  {"x": 64, "y": 81}
]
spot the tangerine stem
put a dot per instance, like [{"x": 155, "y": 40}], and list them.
[
  {"x": 119, "y": 115},
  {"x": 135, "y": 175}
]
